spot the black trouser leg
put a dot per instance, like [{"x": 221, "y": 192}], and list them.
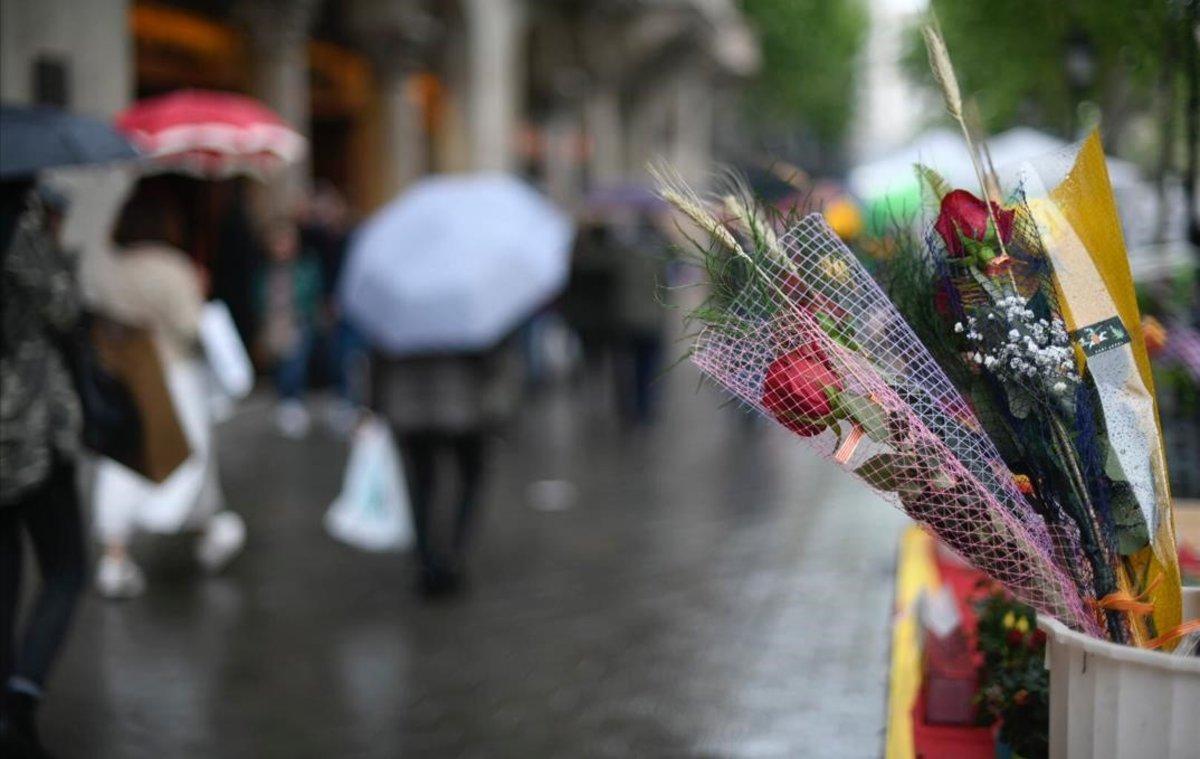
[
  {"x": 469, "y": 451},
  {"x": 55, "y": 527},
  {"x": 420, "y": 453},
  {"x": 10, "y": 588}
]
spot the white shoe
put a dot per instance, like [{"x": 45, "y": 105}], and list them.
[
  {"x": 292, "y": 419},
  {"x": 119, "y": 578},
  {"x": 221, "y": 542},
  {"x": 341, "y": 417}
]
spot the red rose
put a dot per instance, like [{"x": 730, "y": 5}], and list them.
[
  {"x": 1037, "y": 641},
  {"x": 794, "y": 391},
  {"x": 943, "y": 301},
  {"x": 964, "y": 214},
  {"x": 1015, "y": 638}
]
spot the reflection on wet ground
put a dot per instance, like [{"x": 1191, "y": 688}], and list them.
[{"x": 702, "y": 588}]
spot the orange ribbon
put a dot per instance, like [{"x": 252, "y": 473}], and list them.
[
  {"x": 847, "y": 448},
  {"x": 1178, "y": 631},
  {"x": 1121, "y": 600}
]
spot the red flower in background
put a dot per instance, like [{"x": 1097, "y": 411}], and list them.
[
  {"x": 1037, "y": 641},
  {"x": 794, "y": 390},
  {"x": 964, "y": 214}
]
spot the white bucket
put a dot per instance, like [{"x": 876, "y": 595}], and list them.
[{"x": 1108, "y": 700}]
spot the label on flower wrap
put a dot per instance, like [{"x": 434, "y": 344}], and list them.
[{"x": 1102, "y": 336}]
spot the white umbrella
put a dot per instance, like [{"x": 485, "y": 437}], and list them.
[
  {"x": 944, "y": 150},
  {"x": 455, "y": 263}
]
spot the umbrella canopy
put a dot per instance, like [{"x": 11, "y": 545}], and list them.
[
  {"x": 944, "y": 150},
  {"x": 455, "y": 263},
  {"x": 37, "y": 138},
  {"x": 622, "y": 197},
  {"x": 211, "y": 134}
]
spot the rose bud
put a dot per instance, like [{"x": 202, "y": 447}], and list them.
[
  {"x": 964, "y": 214},
  {"x": 1037, "y": 640},
  {"x": 794, "y": 390}
]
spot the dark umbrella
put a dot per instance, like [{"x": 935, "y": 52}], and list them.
[{"x": 36, "y": 138}]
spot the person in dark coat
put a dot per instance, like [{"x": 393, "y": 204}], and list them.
[
  {"x": 40, "y": 426},
  {"x": 445, "y": 407}
]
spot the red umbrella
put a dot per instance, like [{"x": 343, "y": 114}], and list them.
[{"x": 212, "y": 134}]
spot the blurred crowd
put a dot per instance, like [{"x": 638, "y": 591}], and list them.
[{"x": 134, "y": 311}]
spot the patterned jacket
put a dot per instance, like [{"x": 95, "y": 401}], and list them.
[{"x": 39, "y": 409}]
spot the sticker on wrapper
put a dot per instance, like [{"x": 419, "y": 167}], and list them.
[{"x": 1100, "y": 337}]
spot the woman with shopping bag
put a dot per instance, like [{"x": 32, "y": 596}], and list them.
[{"x": 152, "y": 284}]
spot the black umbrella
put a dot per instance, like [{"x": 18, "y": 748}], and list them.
[{"x": 36, "y": 138}]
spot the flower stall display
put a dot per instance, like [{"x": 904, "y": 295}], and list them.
[
  {"x": 997, "y": 391},
  {"x": 1014, "y": 686}
]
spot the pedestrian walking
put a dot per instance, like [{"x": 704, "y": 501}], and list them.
[
  {"x": 325, "y": 229},
  {"x": 39, "y": 444},
  {"x": 440, "y": 295},
  {"x": 641, "y": 258},
  {"x": 150, "y": 283},
  {"x": 289, "y": 298},
  {"x": 443, "y": 408}
]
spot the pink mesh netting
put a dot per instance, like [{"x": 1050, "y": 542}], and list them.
[{"x": 816, "y": 345}]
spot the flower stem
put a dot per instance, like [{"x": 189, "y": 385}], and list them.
[{"x": 1089, "y": 524}]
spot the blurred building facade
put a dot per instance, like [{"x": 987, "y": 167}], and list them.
[{"x": 572, "y": 93}]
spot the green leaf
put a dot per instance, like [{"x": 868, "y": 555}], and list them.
[
  {"x": 835, "y": 400},
  {"x": 1130, "y": 525},
  {"x": 1020, "y": 403},
  {"x": 994, "y": 291},
  {"x": 881, "y": 472},
  {"x": 889, "y": 472},
  {"x": 868, "y": 413},
  {"x": 942, "y": 480},
  {"x": 934, "y": 182}
]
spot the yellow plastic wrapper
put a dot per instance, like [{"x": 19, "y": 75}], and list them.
[{"x": 1084, "y": 199}]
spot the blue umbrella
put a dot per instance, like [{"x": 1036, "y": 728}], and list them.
[
  {"x": 455, "y": 263},
  {"x": 38, "y": 137}
]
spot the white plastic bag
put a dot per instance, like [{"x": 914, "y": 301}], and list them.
[
  {"x": 372, "y": 513},
  {"x": 225, "y": 352}
]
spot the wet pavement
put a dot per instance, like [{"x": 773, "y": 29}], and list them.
[{"x": 711, "y": 590}]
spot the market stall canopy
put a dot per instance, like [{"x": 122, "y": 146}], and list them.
[
  {"x": 892, "y": 174},
  {"x": 212, "y": 134},
  {"x": 455, "y": 263},
  {"x": 36, "y": 138}
]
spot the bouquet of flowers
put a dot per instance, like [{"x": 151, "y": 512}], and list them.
[{"x": 1000, "y": 396}]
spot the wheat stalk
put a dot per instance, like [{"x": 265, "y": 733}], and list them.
[
  {"x": 754, "y": 223},
  {"x": 943, "y": 74},
  {"x": 673, "y": 189}
]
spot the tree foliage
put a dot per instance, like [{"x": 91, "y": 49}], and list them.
[
  {"x": 809, "y": 58},
  {"x": 1012, "y": 55}
]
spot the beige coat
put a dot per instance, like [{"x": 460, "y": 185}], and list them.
[{"x": 155, "y": 286}]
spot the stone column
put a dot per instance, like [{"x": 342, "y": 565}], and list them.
[
  {"x": 604, "y": 127},
  {"x": 646, "y": 130},
  {"x": 279, "y": 47},
  {"x": 494, "y": 29},
  {"x": 692, "y": 119},
  {"x": 562, "y": 156},
  {"x": 396, "y": 35},
  {"x": 404, "y": 143}
]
